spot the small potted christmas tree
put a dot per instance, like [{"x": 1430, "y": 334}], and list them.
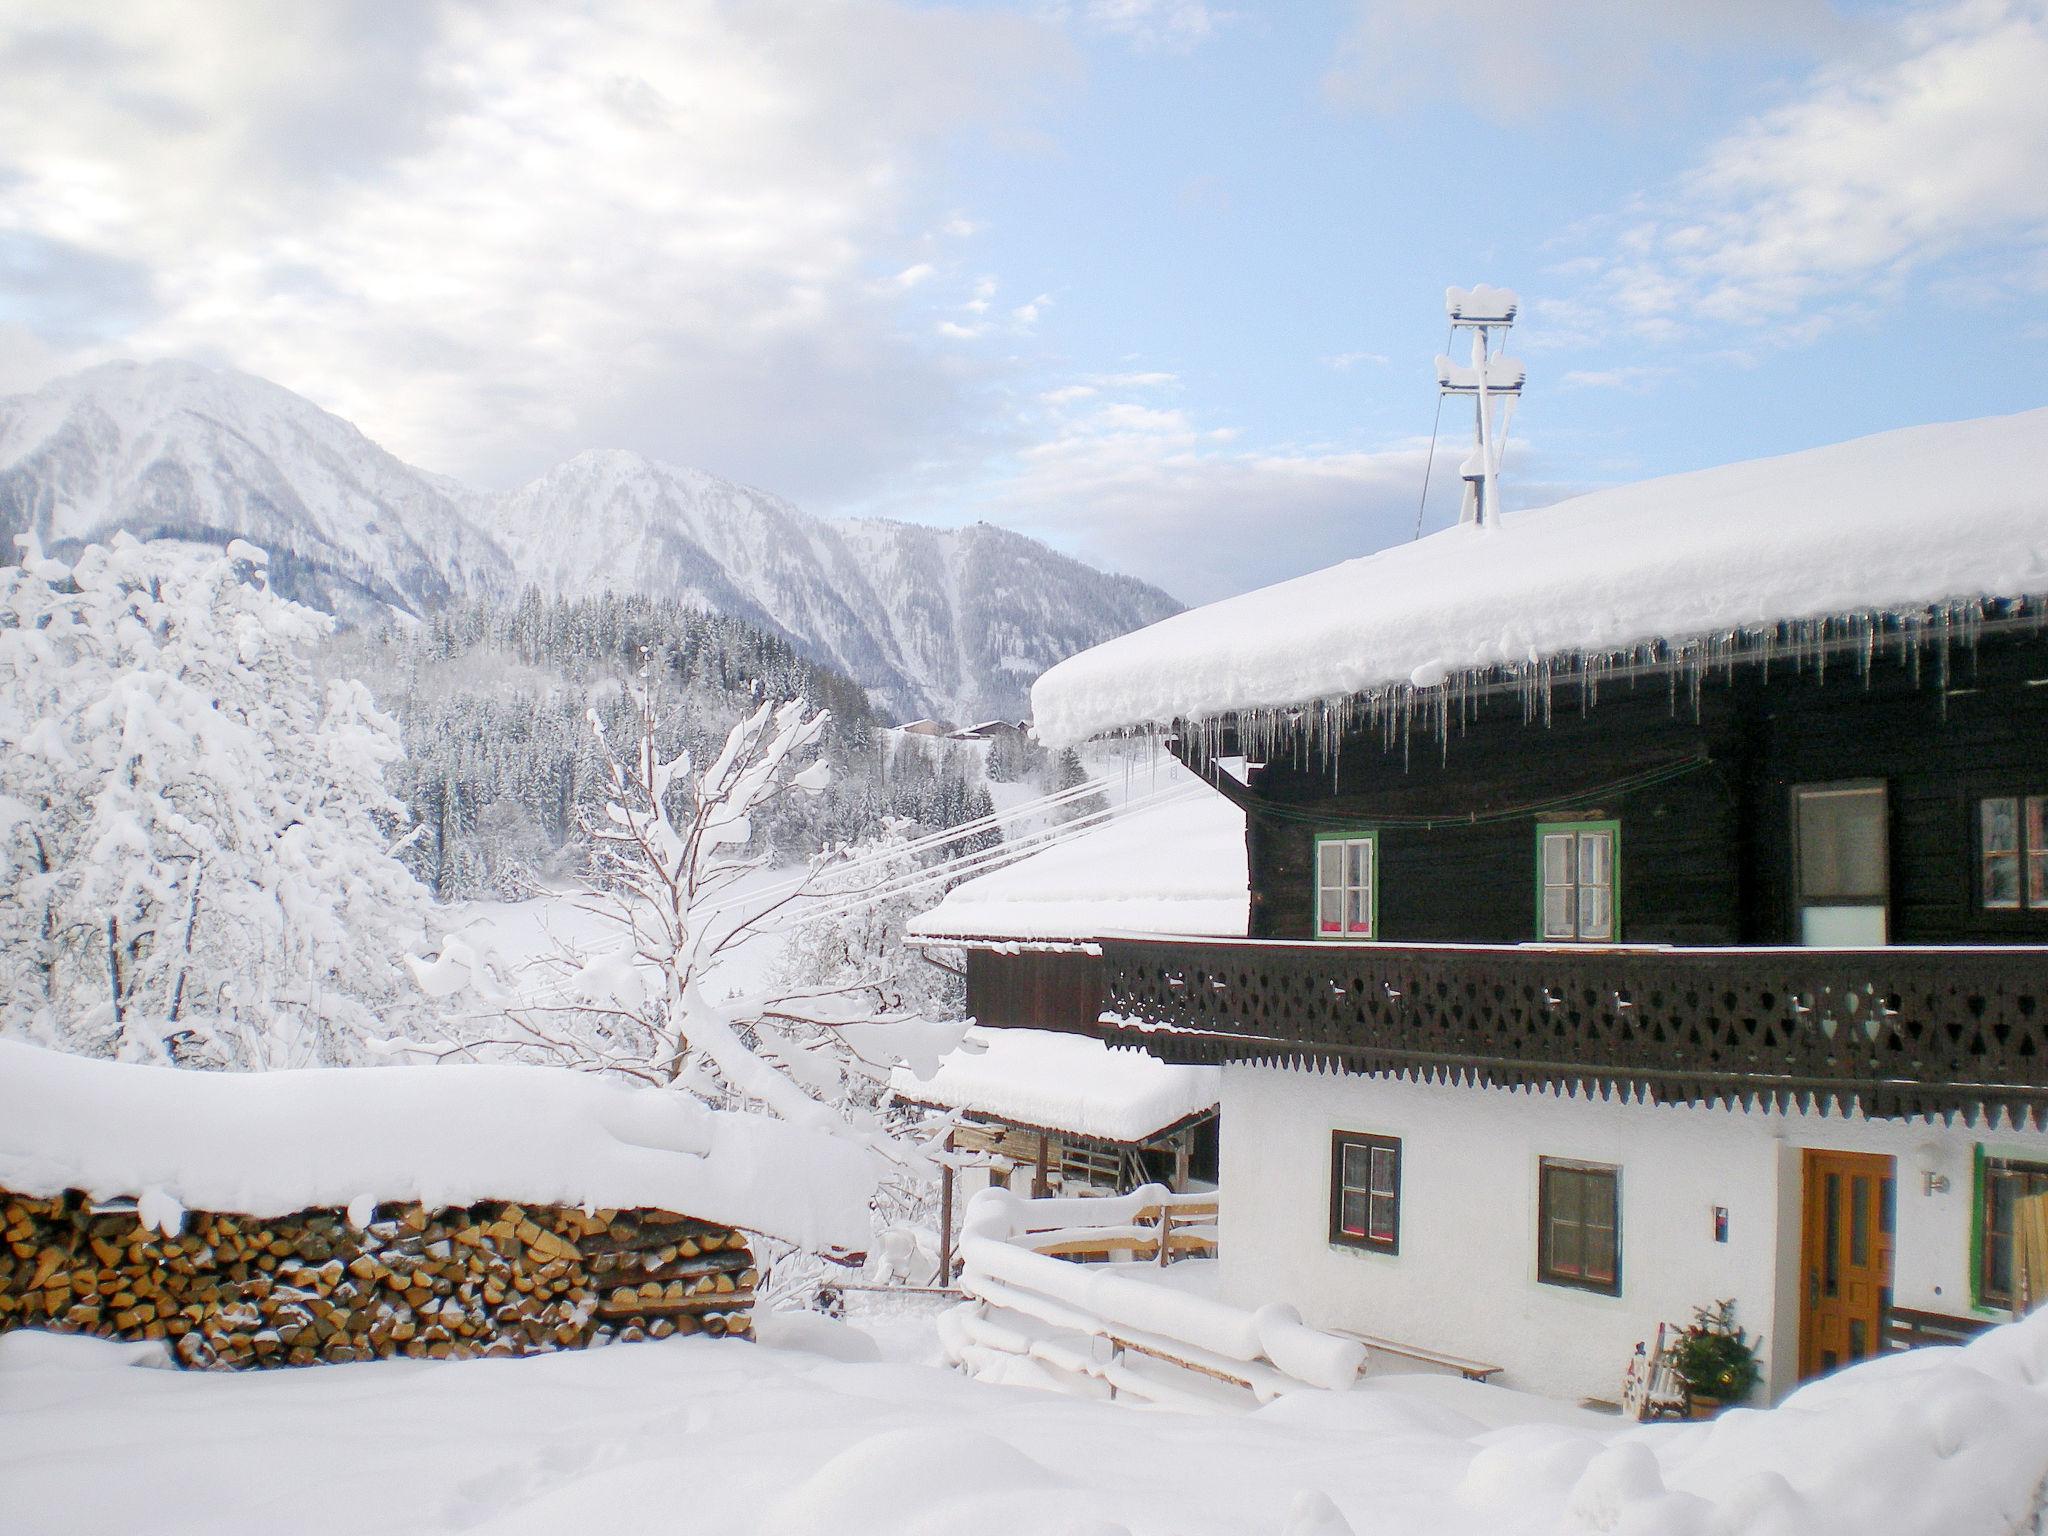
[{"x": 1715, "y": 1359}]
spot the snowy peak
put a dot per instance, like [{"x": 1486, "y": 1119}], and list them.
[
  {"x": 174, "y": 450},
  {"x": 952, "y": 622},
  {"x": 932, "y": 621}
]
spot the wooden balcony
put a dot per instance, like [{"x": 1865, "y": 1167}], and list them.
[{"x": 1901, "y": 1031}]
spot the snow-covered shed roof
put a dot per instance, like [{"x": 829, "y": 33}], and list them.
[
  {"x": 1902, "y": 523},
  {"x": 270, "y": 1143},
  {"x": 1178, "y": 867},
  {"x": 1060, "y": 1082}
]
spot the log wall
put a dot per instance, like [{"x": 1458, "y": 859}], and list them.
[{"x": 492, "y": 1279}]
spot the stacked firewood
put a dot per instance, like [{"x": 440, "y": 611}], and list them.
[{"x": 489, "y": 1279}]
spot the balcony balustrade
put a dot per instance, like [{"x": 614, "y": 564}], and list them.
[{"x": 1898, "y": 1031}]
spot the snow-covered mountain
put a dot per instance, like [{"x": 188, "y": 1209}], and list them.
[
  {"x": 174, "y": 450},
  {"x": 954, "y": 622}
]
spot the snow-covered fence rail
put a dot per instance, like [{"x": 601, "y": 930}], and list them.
[
  {"x": 1154, "y": 1223},
  {"x": 1033, "y": 1316}
]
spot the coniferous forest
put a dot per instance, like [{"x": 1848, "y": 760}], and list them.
[{"x": 502, "y": 768}]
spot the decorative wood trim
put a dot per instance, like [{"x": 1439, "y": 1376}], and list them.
[{"x": 1892, "y": 1032}]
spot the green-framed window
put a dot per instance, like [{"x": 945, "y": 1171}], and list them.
[
  {"x": 2001, "y": 1183},
  {"x": 1578, "y": 881},
  {"x": 1347, "y": 885}
]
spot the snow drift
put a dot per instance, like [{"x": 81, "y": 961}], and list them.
[{"x": 271, "y": 1143}]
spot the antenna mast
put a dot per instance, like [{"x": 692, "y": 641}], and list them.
[{"x": 1492, "y": 374}]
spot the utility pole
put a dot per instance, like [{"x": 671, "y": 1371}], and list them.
[{"x": 1492, "y": 375}]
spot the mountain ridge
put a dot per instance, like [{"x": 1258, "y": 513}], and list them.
[{"x": 937, "y": 621}]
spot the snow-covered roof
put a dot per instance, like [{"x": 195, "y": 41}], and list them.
[
  {"x": 1893, "y": 524},
  {"x": 1061, "y": 1082},
  {"x": 1172, "y": 868},
  {"x": 270, "y": 1143}
]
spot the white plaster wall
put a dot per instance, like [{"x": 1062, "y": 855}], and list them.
[{"x": 1465, "y": 1278}]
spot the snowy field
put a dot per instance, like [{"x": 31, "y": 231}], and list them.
[{"x": 696, "y": 1434}]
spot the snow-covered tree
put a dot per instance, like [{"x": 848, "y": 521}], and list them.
[
  {"x": 673, "y": 860},
  {"x": 1067, "y": 772},
  {"x": 195, "y": 838}
]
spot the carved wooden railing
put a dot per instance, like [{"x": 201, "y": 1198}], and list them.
[{"x": 1900, "y": 1031}]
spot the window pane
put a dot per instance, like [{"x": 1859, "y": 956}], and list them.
[
  {"x": 1382, "y": 1170},
  {"x": 1358, "y": 911},
  {"x": 2001, "y": 826},
  {"x": 1557, "y": 858},
  {"x": 1357, "y": 1165},
  {"x": 1841, "y": 842},
  {"x": 1353, "y": 1214},
  {"x": 1596, "y": 913},
  {"x": 1557, "y": 911},
  {"x": 1596, "y": 861},
  {"x": 1599, "y": 1246},
  {"x": 2037, "y": 879},
  {"x": 2001, "y": 879},
  {"x": 1360, "y": 873},
  {"x": 1859, "y": 1220},
  {"x": 1998, "y": 1266},
  {"x": 1380, "y": 1227},
  {"x": 1330, "y": 864}
]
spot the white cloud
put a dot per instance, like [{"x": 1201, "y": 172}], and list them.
[
  {"x": 1175, "y": 25},
  {"x": 1025, "y": 316},
  {"x": 1876, "y": 174},
  {"x": 1510, "y": 60},
  {"x": 1160, "y": 493},
  {"x": 493, "y": 234},
  {"x": 911, "y": 276},
  {"x": 1343, "y": 362},
  {"x": 1638, "y": 376}
]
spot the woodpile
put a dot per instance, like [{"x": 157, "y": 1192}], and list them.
[{"x": 491, "y": 1279}]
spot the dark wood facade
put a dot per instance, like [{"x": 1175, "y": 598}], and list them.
[
  {"x": 1021, "y": 988},
  {"x": 1702, "y": 790}
]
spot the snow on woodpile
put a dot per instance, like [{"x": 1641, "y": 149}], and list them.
[
  {"x": 1892, "y": 524},
  {"x": 271, "y": 1143},
  {"x": 1064, "y": 1082},
  {"x": 1172, "y": 868}
]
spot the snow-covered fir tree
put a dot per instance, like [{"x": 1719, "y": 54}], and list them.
[{"x": 196, "y": 860}]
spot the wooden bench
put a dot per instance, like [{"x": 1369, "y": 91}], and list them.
[
  {"x": 1904, "y": 1328},
  {"x": 1471, "y": 1370}
]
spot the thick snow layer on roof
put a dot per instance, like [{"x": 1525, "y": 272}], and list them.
[
  {"x": 1172, "y": 868},
  {"x": 1064, "y": 1082},
  {"x": 1889, "y": 523},
  {"x": 269, "y": 1143}
]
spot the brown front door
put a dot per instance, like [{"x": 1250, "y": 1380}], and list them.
[{"x": 1845, "y": 1259}]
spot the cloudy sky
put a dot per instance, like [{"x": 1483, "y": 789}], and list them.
[{"x": 1157, "y": 280}]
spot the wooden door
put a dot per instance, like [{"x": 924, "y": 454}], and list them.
[{"x": 1845, "y": 1259}]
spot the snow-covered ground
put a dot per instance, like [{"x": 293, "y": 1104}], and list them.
[{"x": 739, "y": 1438}]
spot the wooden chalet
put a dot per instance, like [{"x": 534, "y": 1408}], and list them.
[{"x": 1648, "y": 904}]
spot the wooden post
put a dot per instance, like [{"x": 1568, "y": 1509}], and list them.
[
  {"x": 945, "y": 1211},
  {"x": 1183, "y": 1157},
  {"x": 1040, "y": 1188},
  {"x": 1165, "y": 1233}
]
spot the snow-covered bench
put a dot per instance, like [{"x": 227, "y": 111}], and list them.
[{"x": 1471, "y": 1370}]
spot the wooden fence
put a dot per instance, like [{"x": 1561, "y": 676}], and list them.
[{"x": 1059, "y": 1295}]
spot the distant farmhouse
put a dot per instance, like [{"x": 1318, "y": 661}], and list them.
[{"x": 1648, "y": 905}]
